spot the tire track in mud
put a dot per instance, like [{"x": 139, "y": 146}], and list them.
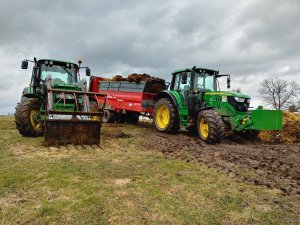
[{"x": 271, "y": 165}]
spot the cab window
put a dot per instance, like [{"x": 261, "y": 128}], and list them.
[{"x": 204, "y": 82}]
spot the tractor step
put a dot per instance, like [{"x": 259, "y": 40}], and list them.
[{"x": 73, "y": 131}]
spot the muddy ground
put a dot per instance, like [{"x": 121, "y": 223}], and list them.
[{"x": 272, "y": 165}]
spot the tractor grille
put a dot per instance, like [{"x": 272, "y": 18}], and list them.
[{"x": 238, "y": 106}]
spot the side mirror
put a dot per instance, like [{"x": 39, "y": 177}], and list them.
[
  {"x": 184, "y": 78},
  {"x": 228, "y": 82},
  {"x": 88, "y": 72},
  {"x": 24, "y": 65}
]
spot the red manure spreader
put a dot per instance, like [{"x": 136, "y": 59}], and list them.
[{"x": 126, "y": 100}]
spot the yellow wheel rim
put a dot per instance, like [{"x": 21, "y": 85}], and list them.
[
  {"x": 203, "y": 127},
  {"x": 95, "y": 118},
  {"x": 94, "y": 108},
  {"x": 37, "y": 125},
  {"x": 162, "y": 116}
]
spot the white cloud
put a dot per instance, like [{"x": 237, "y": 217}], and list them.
[{"x": 251, "y": 40}]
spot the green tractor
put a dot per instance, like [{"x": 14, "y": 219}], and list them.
[
  {"x": 194, "y": 101},
  {"x": 57, "y": 105}
]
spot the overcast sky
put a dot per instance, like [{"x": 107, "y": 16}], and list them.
[{"x": 249, "y": 39}]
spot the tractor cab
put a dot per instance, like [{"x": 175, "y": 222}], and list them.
[
  {"x": 63, "y": 72},
  {"x": 194, "y": 80},
  {"x": 199, "y": 88},
  {"x": 55, "y": 74}
]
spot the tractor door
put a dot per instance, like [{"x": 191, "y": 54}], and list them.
[{"x": 183, "y": 86}]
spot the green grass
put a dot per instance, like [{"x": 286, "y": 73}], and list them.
[{"x": 121, "y": 183}]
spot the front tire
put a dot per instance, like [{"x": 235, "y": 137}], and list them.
[
  {"x": 210, "y": 126},
  {"x": 166, "y": 118},
  {"x": 27, "y": 118}
]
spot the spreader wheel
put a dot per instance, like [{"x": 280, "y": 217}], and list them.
[
  {"x": 108, "y": 116},
  {"x": 132, "y": 117}
]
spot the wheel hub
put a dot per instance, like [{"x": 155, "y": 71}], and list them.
[
  {"x": 203, "y": 128},
  {"x": 35, "y": 119},
  {"x": 162, "y": 116}
]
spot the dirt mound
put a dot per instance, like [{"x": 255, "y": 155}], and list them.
[
  {"x": 134, "y": 77},
  {"x": 138, "y": 77},
  {"x": 290, "y": 132},
  {"x": 117, "y": 78}
]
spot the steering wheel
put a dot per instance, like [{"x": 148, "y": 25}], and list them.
[
  {"x": 200, "y": 86},
  {"x": 58, "y": 81}
]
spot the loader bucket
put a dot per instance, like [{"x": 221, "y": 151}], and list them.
[
  {"x": 81, "y": 132},
  {"x": 266, "y": 119}
]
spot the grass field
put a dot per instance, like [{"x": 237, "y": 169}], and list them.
[{"x": 122, "y": 183}]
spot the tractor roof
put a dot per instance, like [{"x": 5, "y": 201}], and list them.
[
  {"x": 210, "y": 71},
  {"x": 55, "y": 60}
]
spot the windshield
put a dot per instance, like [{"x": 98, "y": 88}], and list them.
[
  {"x": 204, "y": 81},
  {"x": 66, "y": 75}
]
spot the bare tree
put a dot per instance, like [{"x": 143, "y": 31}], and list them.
[
  {"x": 278, "y": 93},
  {"x": 295, "y": 107}
]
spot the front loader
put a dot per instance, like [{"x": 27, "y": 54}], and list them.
[
  {"x": 194, "y": 101},
  {"x": 57, "y": 105}
]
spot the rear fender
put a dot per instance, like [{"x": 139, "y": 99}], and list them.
[
  {"x": 30, "y": 96},
  {"x": 29, "y": 92},
  {"x": 165, "y": 94},
  {"x": 176, "y": 100},
  {"x": 205, "y": 108}
]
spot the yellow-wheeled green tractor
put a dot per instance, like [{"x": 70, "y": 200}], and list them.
[
  {"x": 57, "y": 104},
  {"x": 194, "y": 101}
]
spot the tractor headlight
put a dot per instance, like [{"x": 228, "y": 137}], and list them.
[
  {"x": 239, "y": 99},
  {"x": 248, "y": 100},
  {"x": 224, "y": 98}
]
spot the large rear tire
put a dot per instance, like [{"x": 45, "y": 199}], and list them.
[
  {"x": 166, "y": 118},
  {"x": 27, "y": 118},
  {"x": 210, "y": 126}
]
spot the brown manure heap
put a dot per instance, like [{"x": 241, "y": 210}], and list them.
[{"x": 290, "y": 132}]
